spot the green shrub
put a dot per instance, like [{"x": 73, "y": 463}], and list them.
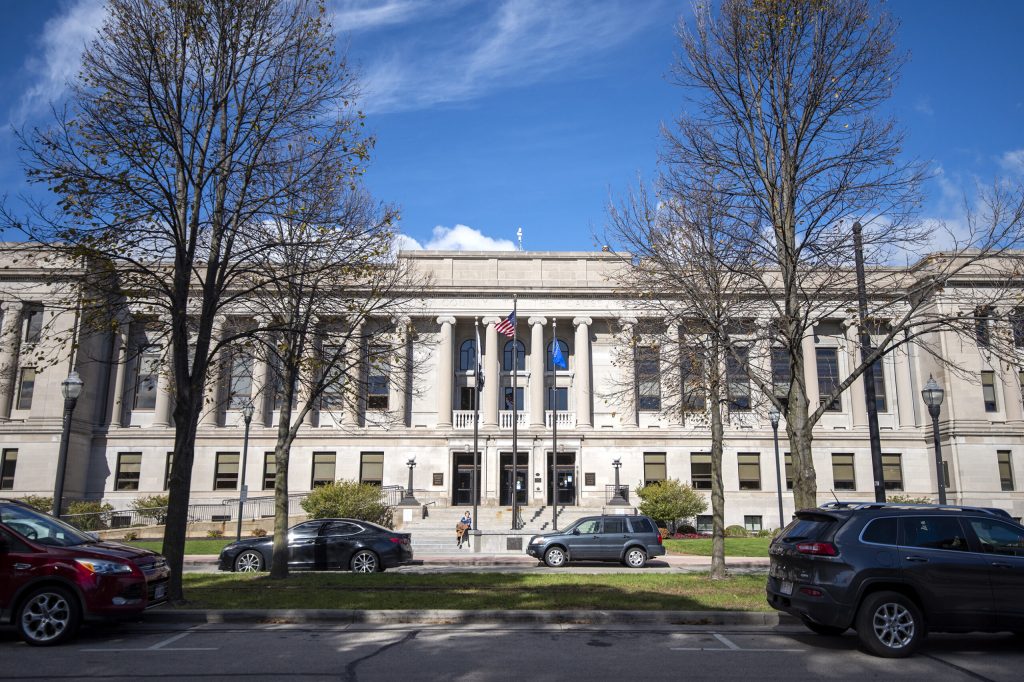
[
  {"x": 908, "y": 499},
  {"x": 686, "y": 529},
  {"x": 130, "y": 536},
  {"x": 39, "y": 502},
  {"x": 348, "y": 499},
  {"x": 766, "y": 533},
  {"x": 735, "y": 532},
  {"x": 259, "y": 532},
  {"x": 153, "y": 507},
  {"x": 215, "y": 533},
  {"x": 88, "y": 514},
  {"x": 669, "y": 501}
]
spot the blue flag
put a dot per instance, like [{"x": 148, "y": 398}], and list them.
[{"x": 557, "y": 359}]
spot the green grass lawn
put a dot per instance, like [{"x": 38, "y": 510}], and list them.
[
  {"x": 733, "y": 546},
  {"x": 652, "y": 592},
  {"x": 201, "y": 546}
]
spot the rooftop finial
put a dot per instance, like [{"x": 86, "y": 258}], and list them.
[{"x": 519, "y": 234}]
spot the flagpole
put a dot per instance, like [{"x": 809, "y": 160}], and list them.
[
  {"x": 476, "y": 426},
  {"x": 515, "y": 416},
  {"x": 554, "y": 426}
]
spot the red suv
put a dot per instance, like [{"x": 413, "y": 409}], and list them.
[{"x": 53, "y": 575}]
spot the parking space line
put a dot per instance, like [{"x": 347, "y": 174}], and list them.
[
  {"x": 162, "y": 646},
  {"x": 175, "y": 638},
  {"x": 732, "y": 646},
  {"x": 724, "y": 640}
]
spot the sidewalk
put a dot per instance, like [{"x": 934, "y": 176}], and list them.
[{"x": 680, "y": 561}]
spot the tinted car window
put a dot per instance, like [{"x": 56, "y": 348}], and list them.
[
  {"x": 340, "y": 528},
  {"x": 642, "y": 524},
  {"x": 615, "y": 526},
  {"x": 881, "y": 532},
  {"x": 808, "y": 528},
  {"x": 934, "y": 532},
  {"x": 589, "y": 526},
  {"x": 41, "y": 528},
  {"x": 13, "y": 543},
  {"x": 998, "y": 538},
  {"x": 305, "y": 530}
]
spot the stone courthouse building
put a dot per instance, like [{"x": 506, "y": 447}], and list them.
[{"x": 121, "y": 434}]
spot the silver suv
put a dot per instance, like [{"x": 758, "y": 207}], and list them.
[{"x": 629, "y": 539}]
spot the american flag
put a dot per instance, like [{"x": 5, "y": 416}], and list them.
[{"x": 508, "y": 325}]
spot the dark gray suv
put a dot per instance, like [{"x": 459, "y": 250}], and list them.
[
  {"x": 894, "y": 572},
  {"x": 629, "y": 539}
]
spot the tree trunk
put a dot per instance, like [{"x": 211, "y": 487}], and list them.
[
  {"x": 718, "y": 570},
  {"x": 799, "y": 431}
]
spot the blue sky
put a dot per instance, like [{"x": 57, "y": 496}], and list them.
[{"x": 497, "y": 114}]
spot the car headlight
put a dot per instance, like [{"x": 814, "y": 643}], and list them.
[
  {"x": 103, "y": 567},
  {"x": 537, "y": 541}
]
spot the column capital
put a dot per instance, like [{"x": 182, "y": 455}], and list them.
[
  {"x": 11, "y": 306},
  {"x": 446, "y": 319},
  {"x": 537, "y": 320},
  {"x": 490, "y": 320},
  {"x": 577, "y": 321}
]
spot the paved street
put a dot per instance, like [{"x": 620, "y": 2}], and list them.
[{"x": 493, "y": 652}]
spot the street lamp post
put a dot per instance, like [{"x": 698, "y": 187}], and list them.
[
  {"x": 407, "y": 499},
  {"x": 72, "y": 389},
  {"x": 243, "y": 493},
  {"x": 933, "y": 395},
  {"x": 618, "y": 498},
  {"x": 773, "y": 415}
]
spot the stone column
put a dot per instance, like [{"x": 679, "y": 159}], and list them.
[
  {"x": 400, "y": 371},
  {"x": 905, "y": 393},
  {"x": 214, "y": 372},
  {"x": 162, "y": 409},
  {"x": 10, "y": 338},
  {"x": 632, "y": 416},
  {"x": 1011, "y": 394},
  {"x": 306, "y": 379},
  {"x": 537, "y": 346},
  {"x": 811, "y": 373},
  {"x": 121, "y": 337},
  {"x": 581, "y": 376},
  {"x": 858, "y": 400},
  {"x": 445, "y": 373},
  {"x": 492, "y": 374}
]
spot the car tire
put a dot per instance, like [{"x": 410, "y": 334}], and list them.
[
  {"x": 635, "y": 557},
  {"x": 364, "y": 561},
  {"x": 889, "y": 625},
  {"x": 555, "y": 557},
  {"x": 249, "y": 561},
  {"x": 824, "y": 630},
  {"x": 48, "y": 616}
]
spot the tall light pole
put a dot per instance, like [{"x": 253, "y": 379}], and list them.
[
  {"x": 243, "y": 492},
  {"x": 408, "y": 500},
  {"x": 933, "y": 395},
  {"x": 618, "y": 498},
  {"x": 72, "y": 389},
  {"x": 773, "y": 415}
]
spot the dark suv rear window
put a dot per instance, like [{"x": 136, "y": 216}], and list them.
[
  {"x": 808, "y": 528},
  {"x": 642, "y": 524},
  {"x": 881, "y": 531}
]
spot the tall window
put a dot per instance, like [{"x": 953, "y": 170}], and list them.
[
  {"x": 167, "y": 470},
  {"x": 129, "y": 468},
  {"x": 1005, "y": 470},
  {"x": 749, "y": 470},
  {"x": 700, "y": 471},
  {"x": 506, "y": 360},
  {"x": 881, "y": 402},
  {"x": 1017, "y": 325},
  {"x": 752, "y": 523},
  {"x": 323, "y": 469},
  {"x": 467, "y": 355},
  {"x": 558, "y": 398},
  {"x": 26, "y": 387},
  {"x": 377, "y": 389},
  {"x": 548, "y": 364},
  {"x": 146, "y": 378},
  {"x": 269, "y": 470},
  {"x": 654, "y": 467},
  {"x": 225, "y": 474},
  {"x": 982, "y": 318},
  {"x": 694, "y": 396},
  {"x": 33, "y": 323},
  {"x": 508, "y": 401},
  {"x": 738, "y": 379},
  {"x": 371, "y": 468},
  {"x": 648, "y": 376},
  {"x": 843, "y": 477},
  {"x": 782, "y": 372},
  {"x": 467, "y": 396},
  {"x": 705, "y": 524},
  {"x": 8, "y": 463},
  {"x": 333, "y": 395},
  {"x": 789, "y": 471},
  {"x": 240, "y": 380},
  {"x": 892, "y": 471},
  {"x": 988, "y": 390},
  {"x": 828, "y": 376}
]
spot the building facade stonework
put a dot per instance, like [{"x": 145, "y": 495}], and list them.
[{"x": 122, "y": 434}]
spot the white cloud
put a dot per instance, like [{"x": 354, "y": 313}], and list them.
[
  {"x": 458, "y": 238},
  {"x": 363, "y": 15},
  {"x": 60, "y": 55},
  {"x": 1013, "y": 161}
]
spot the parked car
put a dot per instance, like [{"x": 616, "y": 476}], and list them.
[
  {"x": 895, "y": 572},
  {"x": 53, "y": 575},
  {"x": 325, "y": 544},
  {"x": 629, "y": 539}
]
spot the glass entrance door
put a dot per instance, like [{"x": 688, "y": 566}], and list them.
[
  {"x": 462, "y": 475},
  {"x": 565, "y": 479},
  {"x": 521, "y": 482}
]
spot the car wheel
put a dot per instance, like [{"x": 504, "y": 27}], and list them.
[
  {"x": 365, "y": 561},
  {"x": 635, "y": 557},
  {"x": 49, "y": 615},
  {"x": 819, "y": 629},
  {"x": 555, "y": 557},
  {"x": 889, "y": 625},
  {"x": 249, "y": 561}
]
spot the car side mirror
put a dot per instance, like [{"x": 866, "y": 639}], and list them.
[{"x": 575, "y": 531}]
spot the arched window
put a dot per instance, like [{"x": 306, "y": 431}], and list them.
[
  {"x": 467, "y": 355},
  {"x": 506, "y": 363},
  {"x": 548, "y": 364}
]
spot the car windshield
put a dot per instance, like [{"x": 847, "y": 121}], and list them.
[{"x": 41, "y": 528}]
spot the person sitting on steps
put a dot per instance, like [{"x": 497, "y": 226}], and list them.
[{"x": 462, "y": 529}]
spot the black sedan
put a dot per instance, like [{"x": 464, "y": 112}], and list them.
[{"x": 325, "y": 544}]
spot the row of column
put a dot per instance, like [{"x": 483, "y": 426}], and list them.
[{"x": 491, "y": 367}]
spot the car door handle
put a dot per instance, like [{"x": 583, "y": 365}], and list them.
[
  {"x": 22, "y": 567},
  {"x": 1001, "y": 565},
  {"x": 919, "y": 559}
]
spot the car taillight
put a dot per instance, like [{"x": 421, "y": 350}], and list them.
[
  {"x": 396, "y": 541},
  {"x": 659, "y": 538},
  {"x": 817, "y": 548}
]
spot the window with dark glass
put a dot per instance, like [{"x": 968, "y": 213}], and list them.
[
  {"x": 705, "y": 523},
  {"x": 828, "y": 376},
  {"x": 752, "y": 523},
  {"x": 467, "y": 355},
  {"x": 558, "y": 398},
  {"x": 749, "y": 470},
  {"x": 789, "y": 471},
  {"x": 467, "y": 395},
  {"x": 1005, "y": 470},
  {"x": 892, "y": 471},
  {"x": 146, "y": 376},
  {"x": 129, "y": 469},
  {"x": 998, "y": 538},
  {"x": 167, "y": 470},
  {"x": 33, "y": 323},
  {"x": 700, "y": 471},
  {"x": 782, "y": 372},
  {"x": 738, "y": 379},
  {"x": 562, "y": 346},
  {"x": 1017, "y": 325},
  {"x": 371, "y": 468},
  {"x": 225, "y": 475},
  {"x": 881, "y": 531},
  {"x": 323, "y": 469},
  {"x": 8, "y": 464},
  {"x": 269, "y": 470},
  {"x": 26, "y": 387},
  {"x": 240, "y": 380},
  {"x": 654, "y": 467},
  {"x": 615, "y": 525},
  {"x": 933, "y": 532},
  {"x": 881, "y": 402},
  {"x": 945, "y": 475},
  {"x": 377, "y": 389},
  {"x": 333, "y": 395},
  {"x": 843, "y": 476},
  {"x": 507, "y": 399},
  {"x": 506, "y": 360},
  {"x": 982, "y": 329},
  {"x": 648, "y": 376},
  {"x": 694, "y": 395},
  {"x": 988, "y": 391}
]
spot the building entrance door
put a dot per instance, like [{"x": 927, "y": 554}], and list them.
[
  {"x": 462, "y": 476},
  {"x": 521, "y": 482},
  {"x": 565, "y": 479}
]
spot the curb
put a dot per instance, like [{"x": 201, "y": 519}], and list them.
[
  {"x": 674, "y": 561},
  {"x": 459, "y": 617}
]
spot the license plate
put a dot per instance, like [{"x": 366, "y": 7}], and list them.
[
  {"x": 160, "y": 592},
  {"x": 787, "y": 587}
]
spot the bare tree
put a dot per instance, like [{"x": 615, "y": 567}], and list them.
[
  {"x": 177, "y": 146},
  {"x": 784, "y": 102}
]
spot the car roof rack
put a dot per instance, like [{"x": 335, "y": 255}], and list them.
[{"x": 992, "y": 511}]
